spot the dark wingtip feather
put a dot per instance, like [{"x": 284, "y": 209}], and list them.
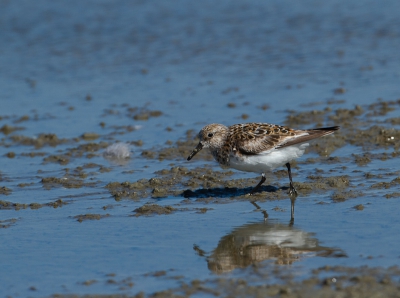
[
  {"x": 312, "y": 134},
  {"x": 332, "y": 128}
]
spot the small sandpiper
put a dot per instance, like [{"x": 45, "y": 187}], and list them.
[{"x": 257, "y": 147}]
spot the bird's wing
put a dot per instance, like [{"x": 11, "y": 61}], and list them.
[{"x": 254, "y": 138}]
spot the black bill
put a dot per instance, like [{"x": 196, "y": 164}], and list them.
[{"x": 195, "y": 150}]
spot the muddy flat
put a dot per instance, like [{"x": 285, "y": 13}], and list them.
[{"x": 101, "y": 106}]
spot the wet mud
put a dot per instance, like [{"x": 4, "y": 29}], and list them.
[
  {"x": 5, "y": 205},
  {"x": 154, "y": 209},
  {"x": 362, "y": 127},
  {"x": 336, "y": 281},
  {"x": 90, "y": 216},
  {"x": 203, "y": 182}
]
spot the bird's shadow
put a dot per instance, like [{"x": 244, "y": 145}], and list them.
[{"x": 226, "y": 192}]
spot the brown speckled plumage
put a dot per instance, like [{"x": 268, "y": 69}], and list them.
[
  {"x": 252, "y": 138},
  {"x": 235, "y": 145}
]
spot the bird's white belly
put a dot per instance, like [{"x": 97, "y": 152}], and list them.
[{"x": 267, "y": 161}]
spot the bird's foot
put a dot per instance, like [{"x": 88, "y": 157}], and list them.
[
  {"x": 253, "y": 191},
  {"x": 292, "y": 190}
]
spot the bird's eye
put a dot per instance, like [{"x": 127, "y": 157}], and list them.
[{"x": 210, "y": 135}]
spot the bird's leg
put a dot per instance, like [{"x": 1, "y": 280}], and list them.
[
  {"x": 292, "y": 200},
  {"x": 258, "y": 185},
  {"x": 292, "y": 190}
]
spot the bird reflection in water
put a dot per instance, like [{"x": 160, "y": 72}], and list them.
[{"x": 256, "y": 242}]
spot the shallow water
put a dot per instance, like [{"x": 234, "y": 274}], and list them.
[{"x": 65, "y": 69}]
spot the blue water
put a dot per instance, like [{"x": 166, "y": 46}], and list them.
[{"x": 188, "y": 60}]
